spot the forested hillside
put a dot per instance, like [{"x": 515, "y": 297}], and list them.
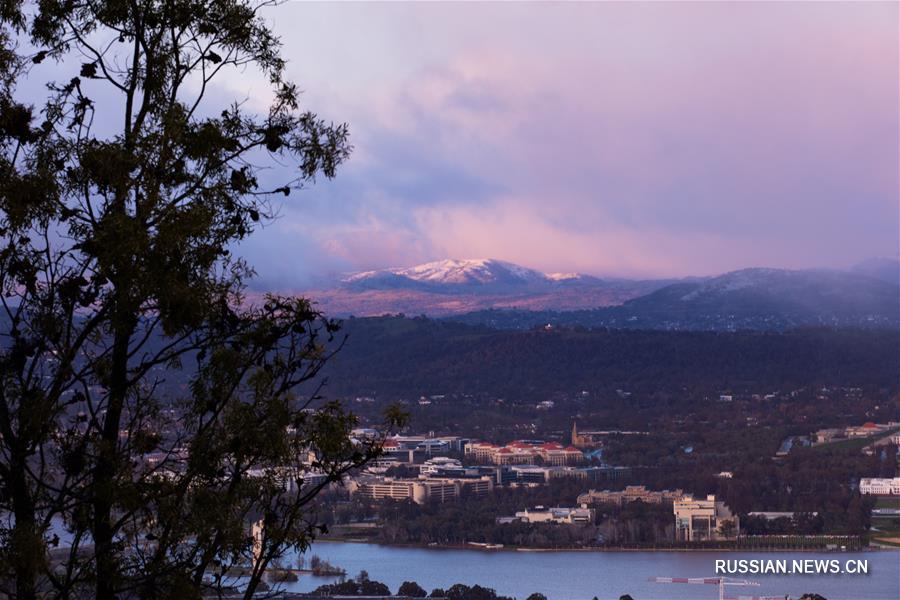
[{"x": 411, "y": 356}]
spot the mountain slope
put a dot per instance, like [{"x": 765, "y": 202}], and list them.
[
  {"x": 761, "y": 299},
  {"x": 483, "y": 275},
  {"x": 449, "y": 287},
  {"x": 781, "y": 296},
  {"x": 886, "y": 269},
  {"x": 506, "y": 295}
]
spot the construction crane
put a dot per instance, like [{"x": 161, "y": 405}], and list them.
[{"x": 721, "y": 582}]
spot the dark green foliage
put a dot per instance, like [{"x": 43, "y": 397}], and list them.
[
  {"x": 363, "y": 586},
  {"x": 394, "y": 356},
  {"x": 461, "y": 591},
  {"x": 366, "y": 587},
  {"x": 411, "y": 589}
]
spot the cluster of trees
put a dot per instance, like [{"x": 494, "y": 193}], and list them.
[
  {"x": 636, "y": 523},
  {"x": 802, "y": 524},
  {"x": 320, "y": 567},
  {"x": 408, "y": 357},
  {"x": 360, "y": 586},
  {"x": 363, "y": 586},
  {"x": 474, "y": 519}
]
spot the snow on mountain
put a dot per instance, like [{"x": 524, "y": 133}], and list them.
[
  {"x": 739, "y": 280},
  {"x": 564, "y": 276},
  {"x": 479, "y": 271},
  {"x": 750, "y": 298}
]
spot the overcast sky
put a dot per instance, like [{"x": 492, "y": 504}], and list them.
[{"x": 653, "y": 139}]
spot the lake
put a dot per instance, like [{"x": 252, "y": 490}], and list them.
[{"x": 607, "y": 575}]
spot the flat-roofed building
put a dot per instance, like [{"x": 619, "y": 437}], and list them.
[
  {"x": 525, "y": 452},
  {"x": 865, "y": 430},
  {"x": 823, "y": 436},
  {"x": 631, "y": 493},
  {"x": 480, "y": 450},
  {"x": 513, "y": 456},
  {"x": 566, "y": 516},
  {"x": 440, "y": 464},
  {"x": 420, "y": 490},
  {"x": 476, "y": 487},
  {"x": 879, "y": 486},
  {"x": 699, "y": 520},
  {"x": 554, "y": 454},
  {"x": 387, "y": 488}
]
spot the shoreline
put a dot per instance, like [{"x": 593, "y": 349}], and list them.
[{"x": 598, "y": 549}]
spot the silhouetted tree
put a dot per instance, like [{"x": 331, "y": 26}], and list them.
[
  {"x": 121, "y": 198},
  {"x": 411, "y": 589}
]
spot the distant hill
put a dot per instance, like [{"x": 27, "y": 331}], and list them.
[
  {"x": 502, "y": 294},
  {"x": 760, "y": 299},
  {"x": 475, "y": 275},
  {"x": 408, "y": 357},
  {"x": 886, "y": 269},
  {"x": 449, "y": 287}
]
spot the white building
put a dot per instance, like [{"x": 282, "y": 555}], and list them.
[
  {"x": 699, "y": 520},
  {"x": 880, "y": 486},
  {"x": 420, "y": 490},
  {"x": 566, "y": 516},
  {"x": 435, "y": 465}
]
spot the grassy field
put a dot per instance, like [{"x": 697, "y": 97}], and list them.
[
  {"x": 855, "y": 444},
  {"x": 887, "y": 502},
  {"x": 886, "y": 530}
]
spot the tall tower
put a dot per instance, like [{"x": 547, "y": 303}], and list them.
[{"x": 576, "y": 441}]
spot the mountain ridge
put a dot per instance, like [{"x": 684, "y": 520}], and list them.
[
  {"x": 504, "y": 294},
  {"x": 450, "y": 273}
]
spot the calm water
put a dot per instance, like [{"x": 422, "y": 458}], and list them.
[{"x": 607, "y": 575}]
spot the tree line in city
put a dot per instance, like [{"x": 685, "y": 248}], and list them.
[
  {"x": 363, "y": 586},
  {"x": 816, "y": 484}
]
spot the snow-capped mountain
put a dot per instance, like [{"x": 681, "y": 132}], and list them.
[
  {"x": 747, "y": 298},
  {"x": 452, "y": 272},
  {"x": 454, "y": 286}
]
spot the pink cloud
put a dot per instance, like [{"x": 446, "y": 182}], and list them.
[{"x": 658, "y": 138}]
